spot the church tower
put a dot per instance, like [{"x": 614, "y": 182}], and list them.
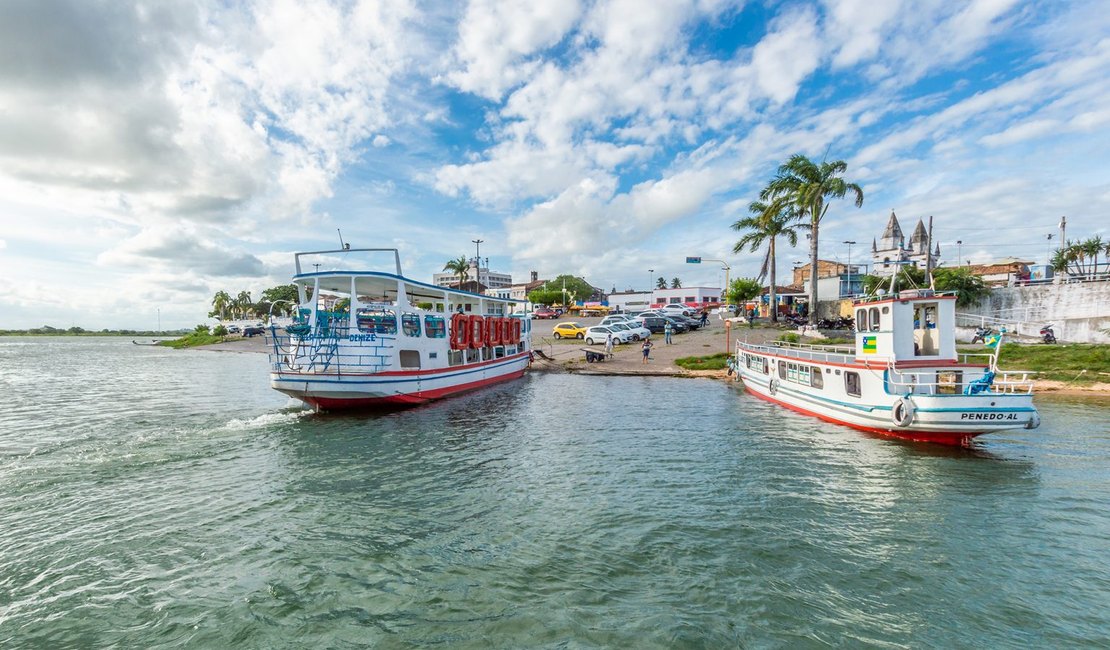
[{"x": 891, "y": 251}]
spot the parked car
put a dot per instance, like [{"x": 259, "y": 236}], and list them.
[
  {"x": 252, "y": 330},
  {"x": 638, "y": 331},
  {"x": 679, "y": 326},
  {"x": 233, "y": 329},
  {"x": 609, "y": 320},
  {"x": 568, "y": 331},
  {"x": 544, "y": 312},
  {"x": 598, "y": 334},
  {"x": 678, "y": 307},
  {"x": 654, "y": 324}
]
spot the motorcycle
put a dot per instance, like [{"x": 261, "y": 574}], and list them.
[
  {"x": 1047, "y": 335},
  {"x": 981, "y": 334}
]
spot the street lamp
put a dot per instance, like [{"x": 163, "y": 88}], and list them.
[
  {"x": 959, "y": 252},
  {"x": 849, "y": 266},
  {"x": 726, "y": 267},
  {"x": 651, "y": 275}
]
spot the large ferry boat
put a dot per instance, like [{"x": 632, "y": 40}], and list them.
[
  {"x": 366, "y": 339},
  {"x": 903, "y": 377}
]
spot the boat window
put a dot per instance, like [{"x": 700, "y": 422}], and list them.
[
  {"x": 851, "y": 383},
  {"x": 874, "y": 317},
  {"x": 817, "y": 379},
  {"x": 782, "y": 370},
  {"x": 861, "y": 320},
  {"x": 410, "y": 359},
  {"x": 377, "y": 321},
  {"x": 410, "y": 324},
  {"x": 435, "y": 327}
]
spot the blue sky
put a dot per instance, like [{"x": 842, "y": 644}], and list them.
[{"x": 154, "y": 153}]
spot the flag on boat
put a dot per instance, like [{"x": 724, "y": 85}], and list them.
[{"x": 992, "y": 340}]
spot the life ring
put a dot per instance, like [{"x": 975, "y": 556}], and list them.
[
  {"x": 460, "y": 332},
  {"x": 477, "y": 331},
  {"x": 507, "y": 331},
  {"x": 516, "y": 330},
  {"x": 901, "y": 414},
  {"x": 773, "y": 386},
  {"x": 493, "y": 331}
]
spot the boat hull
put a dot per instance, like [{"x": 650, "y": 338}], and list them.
[
  {"x": 942, "y": 419},
  {"x": 393, "y": 390}
]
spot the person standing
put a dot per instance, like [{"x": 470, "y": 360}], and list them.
[
  {"x": 646, "y": 349},
  {"x": 609, "y": 344},
  {"x": 667, "y": 331},
  {"x": 704, "y": 317}
]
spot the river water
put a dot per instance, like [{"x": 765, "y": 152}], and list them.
[{"x": 159, "y": 498}]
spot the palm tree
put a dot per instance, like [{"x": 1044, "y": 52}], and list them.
[
  {"x": 808, "y": 186},
  {"x": 661, "y": 283},
  {"x": 243, "y": 303},
  {"x": 1091, "y": 248},
  {"x": 220, "y": 302},
  {"x": 676, "y": 283},
  {"x": 767, "y": 222},
  {"x": 460, "y": 267}
]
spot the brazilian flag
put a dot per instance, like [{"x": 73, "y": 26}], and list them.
[{"x": 992, "y": 341}]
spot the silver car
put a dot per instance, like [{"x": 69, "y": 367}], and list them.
[{"x": 598, "y": 334}]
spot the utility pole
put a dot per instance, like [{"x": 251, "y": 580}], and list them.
[
  {"x": 849, "y": 266},
  {"x": 929, "y": 253}
]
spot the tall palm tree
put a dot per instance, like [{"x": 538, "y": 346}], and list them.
[
  {"x": 460, "y": 267},
  {"x": 661, "y": 283},
  {"x": 243, "y": 303},
  {"x": 767, "y": 222},
  {"x": 1092, "y": 247},
  {"x": 808, "y": 186},
  {"x": 220, "y": 302}
]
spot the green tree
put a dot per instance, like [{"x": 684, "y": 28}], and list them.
[
  {"x": 576, "y": 288},
  {"x": 908, "y": 276},
  {"x": 220, "y": 304},
  {"x": 460, "y": 267},
  {"x": 767, "y": 222},
  {"x": 741, "y": 290},
  {"x": 970, "y": 288},
  {"x": 281, "y": 299},
  {"x": 676, "y": 283},
  {"x": 809, "y": 186},
  {"x": 542, "y": 296},
  {"x": 661, "y": 283}
]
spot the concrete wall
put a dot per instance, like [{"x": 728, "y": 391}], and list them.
[{"x": 1078, "y": 311}]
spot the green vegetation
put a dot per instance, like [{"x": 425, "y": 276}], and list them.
[
  {"x": 970, "y": 288},
  {"x": 46, "y": 330},
  {"x": 460, "y": 267},
  {"x": 741, "y": 290},
  {"x": 564, "y": 290},
  {"x": 199, "y": 336},
  {"x": 807, "y": 186},
  {"x": 767, "y": 222},
  {"x": 282, "y": 299},
  {"x": 1057, "y": 362},
  {"x": 790, "y": 337},
  {"x": 1080, "y": 258},
  {"x": 717, "y": 361}
]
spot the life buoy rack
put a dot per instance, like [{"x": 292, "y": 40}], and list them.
[
  {"x": 516, "y": 330},
  {"x": 460, "y": 331},
  {"x": 493, "y": 331},
  {"x": 901, "y": 414},
  {"x": 477, "y": 331}
]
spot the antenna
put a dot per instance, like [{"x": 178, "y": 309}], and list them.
[{"x": 342, "y": 245}]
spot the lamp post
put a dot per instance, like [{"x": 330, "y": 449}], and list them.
[
  {"x": 959, "y": 252},
  {"x": 651, "y": 278},
  {"x": 725, "y": 266},
  {"x": 850, "y": 292}
]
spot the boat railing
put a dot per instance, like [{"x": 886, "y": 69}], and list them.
[
  {"x": 807, "y": 351},
  {"x": 926, "y": 382}
]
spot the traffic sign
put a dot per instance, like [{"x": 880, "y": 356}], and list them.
[{"x": 693, "y": 260}]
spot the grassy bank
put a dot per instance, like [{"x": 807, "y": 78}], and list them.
[
  {"x": 717, "y": 361},
  {"x": 193, "y": 339},
  {"x": 1059, "y": 362}
]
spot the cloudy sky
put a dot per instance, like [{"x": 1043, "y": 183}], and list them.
[{"x": 152, "y": 153}]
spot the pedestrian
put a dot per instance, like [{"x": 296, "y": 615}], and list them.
[
  {"x": 646, "y": 348},
  {"x": 667, "y": 331},
  {"x": 704, "y": 318},
  {"x": 609, "y": 344}
]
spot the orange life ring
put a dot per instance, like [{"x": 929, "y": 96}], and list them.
[
  {"x": 477, "y": 331},
  {"x": 493, "y": 331},
  {"x": 516, "y": 330},
  {"x": 460, "y": 332},
  {"x": 507, "y": 331}
]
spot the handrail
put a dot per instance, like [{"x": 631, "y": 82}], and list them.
[{"x": 800, "y": 353}]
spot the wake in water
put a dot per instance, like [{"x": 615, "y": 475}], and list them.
[{"x": 266, "y": 420}]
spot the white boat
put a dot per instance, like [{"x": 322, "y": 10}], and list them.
[
  {"x": 374, "y": 339},
  {"x": 903, "y": 377}
]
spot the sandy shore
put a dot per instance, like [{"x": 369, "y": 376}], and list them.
[{"x": 567, "y": 355}]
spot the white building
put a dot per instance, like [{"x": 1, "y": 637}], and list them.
[
  {"x": 640, "y": 300},
  {"x": 491, "y": 279},
  {"x": 890, "y": 251}
]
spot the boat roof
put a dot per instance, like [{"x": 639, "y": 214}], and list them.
[{"x": 377, "y": 284}]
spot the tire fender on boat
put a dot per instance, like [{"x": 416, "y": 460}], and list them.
[
  {"x": 1034, "y": 421},
  {"x": 901, "y": 413},
  {"x": 773, "y": 386}
]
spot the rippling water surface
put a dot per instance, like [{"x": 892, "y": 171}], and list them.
[{"x": 160, "y": 498}]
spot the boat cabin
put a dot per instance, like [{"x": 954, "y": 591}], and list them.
[{"x": 915, "y": 325}]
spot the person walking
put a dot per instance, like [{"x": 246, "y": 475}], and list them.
[
  {"x": 704, "y": 317},
  {"x": 646, "y": 349},
  {"x": 667, "y": 331},
  {"x": 609, "y": 344}
]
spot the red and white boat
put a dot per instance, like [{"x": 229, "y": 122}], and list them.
[
  {"x": 373, "y": 339},
  {"x": 903, "y": 378}
]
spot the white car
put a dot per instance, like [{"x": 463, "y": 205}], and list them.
[
  {"x": 638, "y": 331},
  {"x": 616, "y": 318},
  {"x": 678, "y": 307},
  {"x": 598, "y": 334}
]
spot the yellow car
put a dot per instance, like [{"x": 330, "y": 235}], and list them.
[{"x": 569, "y": 331}]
